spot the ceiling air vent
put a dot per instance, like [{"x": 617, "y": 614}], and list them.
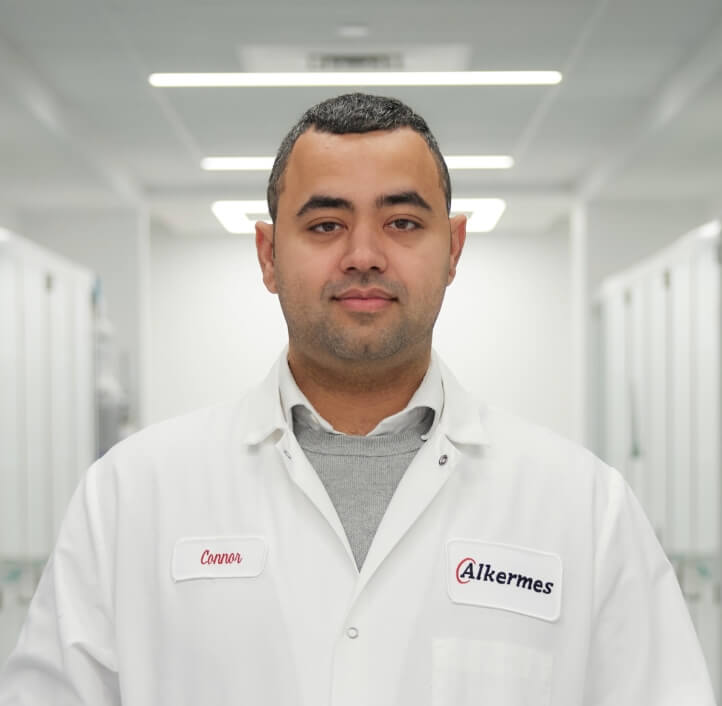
[
  {"x": 352, "y": 56},
  {"x": 318, "y": 61}
]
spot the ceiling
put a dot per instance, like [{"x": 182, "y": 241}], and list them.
[{"x": 637, "y": 116}]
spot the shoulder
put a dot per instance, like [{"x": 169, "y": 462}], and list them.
[
  {"x": 536, "y": 449},
  {"x": 185, "y": 429},
  {"x": 506, "y": 428},
  {"x": 197, "y": 439}
]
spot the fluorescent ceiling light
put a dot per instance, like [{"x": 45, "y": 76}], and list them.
[
  {"x": 240, "y": 216},
  {"x": 237, "y": 163},
  {"x": 5, "y": 234},
  {"x": 483, "y": 214},
  {"x": 710, "y": 230},
  {"x": 469, "y": 161},
  {"x": 479, "y": 161},
  {"x": 356, "y": 78}
]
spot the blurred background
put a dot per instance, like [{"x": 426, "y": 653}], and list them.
[{"x": 587, "y": 298}]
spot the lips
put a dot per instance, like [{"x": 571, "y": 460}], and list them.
[
  {"x": 365, "y": 300},
  {"x": 365, "y": 294}
]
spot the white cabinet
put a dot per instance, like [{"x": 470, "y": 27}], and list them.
[
  {"x": 680, "y": 404},
  {"x": 660, "y": 400},
  {"x": 706, "y": 386},
  {"x": 12, "y": 510},
  {"x": 35, "y": 376},
  {"x": 47, "y": 407},
  {"x": 616, "y": 436},
  {"x": 636, "y": 339},
  {"x": 657, "y": 411}
]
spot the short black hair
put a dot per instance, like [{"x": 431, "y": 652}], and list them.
[{"x": 354, "y": 113}]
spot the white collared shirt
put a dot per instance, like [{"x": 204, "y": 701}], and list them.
[{"x": 429, "y": 394}]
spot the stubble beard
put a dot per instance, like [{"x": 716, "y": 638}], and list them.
[
  {"x": 353, "y": 345},
  {"x": 359, "y": 341}
]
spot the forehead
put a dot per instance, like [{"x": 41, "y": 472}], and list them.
[{"x": 360, "y": 165}]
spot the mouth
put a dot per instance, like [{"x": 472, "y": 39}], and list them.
[{"x": 365, "y": 299}]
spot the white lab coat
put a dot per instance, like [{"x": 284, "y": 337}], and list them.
[{"x": 129, "y": 612}]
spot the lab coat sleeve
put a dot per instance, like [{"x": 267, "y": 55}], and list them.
[
  {"x": 644, "y": 650},
  {"x": 65, "y": 655}
]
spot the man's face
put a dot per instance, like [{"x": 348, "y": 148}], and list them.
[{"x": 364, "y": 248}]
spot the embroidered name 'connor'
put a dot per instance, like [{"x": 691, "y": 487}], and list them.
[
  {"x": 468, "y": 570},
  {"x": 209, "y": 557}
]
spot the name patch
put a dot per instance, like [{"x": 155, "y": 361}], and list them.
[
  {"x": 506, "y": 577},
  {"x": 218, "y": 558}
]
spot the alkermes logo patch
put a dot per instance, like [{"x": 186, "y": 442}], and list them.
[
  {"x": 469, "y": 569},
  {"x": 509, "y": 577}
]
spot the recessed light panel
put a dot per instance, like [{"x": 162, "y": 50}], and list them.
[
  {"x": 479, "y": 161},
  {"x": 240, "y": 216},
  {"x": 484, "y": 214},
  {"x": 710, "y": 230},
  {"x": 237, "y": 163}
]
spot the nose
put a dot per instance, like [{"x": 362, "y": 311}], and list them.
[{"x": 364, "y": 249}]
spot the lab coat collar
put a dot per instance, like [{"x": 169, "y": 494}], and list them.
[
  {"x": 460, "y": 422},
  {"x": 261, "y": 415},
  {"x": 462, "y": 417}
]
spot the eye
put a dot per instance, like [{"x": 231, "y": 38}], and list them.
[
  {"x": 404, "y": 224},
  {"x": 325, "y": 227}
]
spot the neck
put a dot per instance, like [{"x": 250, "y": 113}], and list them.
[{"x": 355, "y": 397}]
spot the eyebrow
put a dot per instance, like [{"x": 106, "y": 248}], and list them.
[
  {"x": 320, "y": 201},
  {"x": 323, "y": 201},
  {"x": 413, "y": 198}
]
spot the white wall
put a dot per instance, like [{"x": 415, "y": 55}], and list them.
[
  {"x": 114, "y": 244},
  {"x": 216, "y": 330},
  {"x": 504, "y": 328}
]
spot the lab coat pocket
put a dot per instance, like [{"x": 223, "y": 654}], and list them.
[{"x": 468, "y": 671}]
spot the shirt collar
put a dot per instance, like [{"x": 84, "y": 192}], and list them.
[
  {"x": 429, "y": 394},
  {"x": 462, "y": 420}
]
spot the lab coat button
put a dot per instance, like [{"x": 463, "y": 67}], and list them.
[
  {"x": 352, "y": 633},
  {"x": 443, "y": 459},
  {"x": 287, "y": 454}
]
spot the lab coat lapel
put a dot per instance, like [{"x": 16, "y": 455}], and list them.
[
  {"x": 305, "y": 477},
  {"x": 417, "y": 489},
  {"x": 460, "y": 424},
  {"x": 263, "y": 419}
]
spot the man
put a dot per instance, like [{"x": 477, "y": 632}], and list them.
[{"x": 356, "y": 531}]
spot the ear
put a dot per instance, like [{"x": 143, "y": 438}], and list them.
[
  {"x": 264, "y": 249},
  {"x": 457, "y": 225}
]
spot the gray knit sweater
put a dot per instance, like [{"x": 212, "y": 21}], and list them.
[{"x": 360, "y": 473}]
